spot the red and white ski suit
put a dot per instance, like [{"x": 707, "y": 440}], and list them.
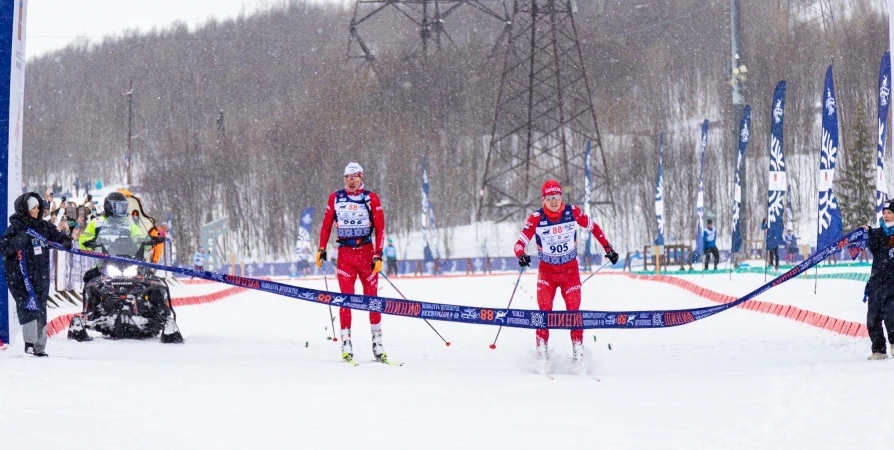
[
  {"x": 360, "y": 227},
  {"x": 556, "y": 238}
]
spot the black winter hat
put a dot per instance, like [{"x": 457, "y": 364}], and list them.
[{"x": 889, "y": 205}]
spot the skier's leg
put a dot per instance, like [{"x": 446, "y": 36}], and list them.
[
  {"x": 346, "y": 274},
  {"x": 572, "y": 295},
  {"x": 370, "y": 283},
  {"x": 546, "y": 291}
]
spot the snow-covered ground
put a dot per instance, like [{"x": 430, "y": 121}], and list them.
[{"x": 257, "y": 371}]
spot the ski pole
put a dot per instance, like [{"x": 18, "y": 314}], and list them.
[
  {"x": 494, "y": 345},
  {"x": 595, "y": 272},
  {"x": 331, "y": 317},
  {"x": 405, "y": 298}
]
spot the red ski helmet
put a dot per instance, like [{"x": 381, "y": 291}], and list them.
[{"x": 550, "y": 187}]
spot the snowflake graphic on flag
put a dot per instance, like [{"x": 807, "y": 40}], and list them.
[
  {"x": 827, "y": 201},
  {"x": 830, "y": 102}
]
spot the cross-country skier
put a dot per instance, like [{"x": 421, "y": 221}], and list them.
[
  {"x": 360, "y": 227},
  {"x": 880, "y": 287},
  {"x": 555, "y": 227}
]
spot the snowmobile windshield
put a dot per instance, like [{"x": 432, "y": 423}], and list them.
[
  {"x": 117, "y": 238},
  {"x": 119, "y": 207}
]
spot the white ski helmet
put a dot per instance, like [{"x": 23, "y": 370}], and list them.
[{"x": 354, "y": 169}]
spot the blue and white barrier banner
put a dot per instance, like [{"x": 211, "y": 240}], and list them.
[
  {"x": 884, "y": 95},
  {"x": 828, "y": 214},
  {"x": 517, "y": 318},
  {"x": 744, "y": 134},
  {"x": 778, "y": 184}
]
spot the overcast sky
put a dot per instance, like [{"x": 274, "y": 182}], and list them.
[{"x": 53, "y": 24}]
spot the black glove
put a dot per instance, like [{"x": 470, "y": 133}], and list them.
[
  {"x": 524, "y": 260},
  {"x": 157, "y": 240},
  {"x": 89, "y": 243},
  {"x": 67, "y": 244},
  {"x": 611, "y": 254}
]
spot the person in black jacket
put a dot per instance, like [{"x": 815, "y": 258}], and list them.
[
  {"x": 26, "y": 263},
  {"x": 880, "y": 287}
]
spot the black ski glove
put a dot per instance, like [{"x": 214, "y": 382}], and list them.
[
  {"x": 524, "y": 260},
  {"x": 611, "y": 254},
  {"x": 67, "y": 244}
]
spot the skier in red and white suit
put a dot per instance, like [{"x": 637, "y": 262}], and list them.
[
  {"x": 555, "y": 227},
  {"x": 360, "y": 227}
]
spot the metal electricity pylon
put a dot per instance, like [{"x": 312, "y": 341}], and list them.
[{"x": 544, "y": 116}]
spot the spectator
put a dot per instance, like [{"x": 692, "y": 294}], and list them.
[
  {"x": 791, "y": 245},
  {"x": 390, "y": 259},
  {"x": 98, "y": 185},
  {"x": 198, "y": 260},
  {"x": 27, "y": 268},
  {"x": 772, "y": 252},
  {"x": 880, "y": 287},
  {"x": 709, "y": 237},
  {"x": 77, "y": 186}
]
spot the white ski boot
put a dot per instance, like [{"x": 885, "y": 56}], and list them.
[
  {"x": 347, "y": 350},
  {"x": 577, "y": 358},
  {"x": 378, "y": 348},
  {"x": 877, "y": 356}
]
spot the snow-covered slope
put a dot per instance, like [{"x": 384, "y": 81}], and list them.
[{"x": 258, "y": 372}]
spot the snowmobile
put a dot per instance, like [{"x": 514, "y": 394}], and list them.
[{"x": 122, "y": 300}]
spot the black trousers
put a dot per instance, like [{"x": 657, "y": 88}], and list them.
[
  {"x": 773, "y": 255},
  {"x": 708, "y": 253},
  {"x": 391, "y": 267},
  {"x": 881, "y": 311}
]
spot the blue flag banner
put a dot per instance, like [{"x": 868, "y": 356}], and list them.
[
  {"x": 884, "y": 94},
  {"x": 700, "y": 199},
  {"x": 588, "y": 185},
  {"x": 303, "y": 245},
  {"x": 778, "y": 184},
  {"x": 829, "y": 216},
  {"x": 430, "y": 244},
  {"x": 744, "y": 133},
  {"x": 516, "y": 318},
  {"x": 13, "y": 18},
  {"x": 659, "y": 192}
]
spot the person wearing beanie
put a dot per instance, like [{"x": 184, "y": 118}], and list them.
[
  {"x": 554, "y": 226},
  {"x": 880, "y": 287},
  {"x": 26, "y": 265},
  {"x": 360, "y": 232}
]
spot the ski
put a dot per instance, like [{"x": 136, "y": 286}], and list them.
[
  {"x": 388, "y": 362},
  {"x": 351, "y": 361}
]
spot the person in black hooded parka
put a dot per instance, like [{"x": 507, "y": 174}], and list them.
[
  {"x": 880, "y": 287},
  {"x": 26, "y": 263}
]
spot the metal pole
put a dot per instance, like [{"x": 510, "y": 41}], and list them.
[{"x": 129, "y": 132}]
